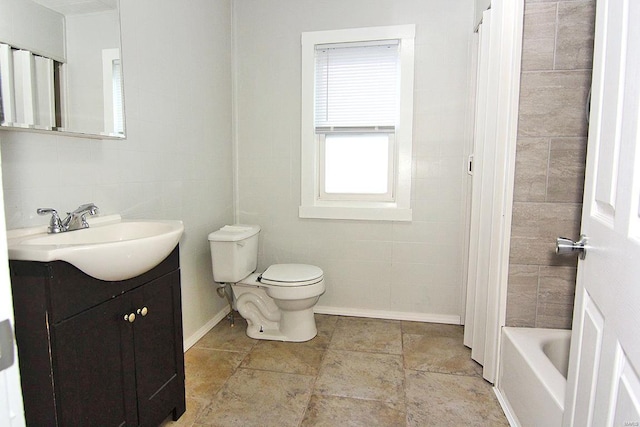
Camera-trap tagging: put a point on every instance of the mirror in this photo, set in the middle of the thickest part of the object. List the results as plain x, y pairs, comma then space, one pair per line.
60, 67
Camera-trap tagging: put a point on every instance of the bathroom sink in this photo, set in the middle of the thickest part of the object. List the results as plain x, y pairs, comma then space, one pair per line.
110, 249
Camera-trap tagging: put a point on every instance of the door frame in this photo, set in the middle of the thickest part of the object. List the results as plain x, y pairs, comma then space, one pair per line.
10, 389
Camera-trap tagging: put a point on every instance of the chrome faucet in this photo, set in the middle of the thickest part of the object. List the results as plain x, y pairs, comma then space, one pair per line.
75, 220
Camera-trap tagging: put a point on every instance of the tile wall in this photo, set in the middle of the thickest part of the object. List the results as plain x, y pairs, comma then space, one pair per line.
550, 157
176, 160
375, 268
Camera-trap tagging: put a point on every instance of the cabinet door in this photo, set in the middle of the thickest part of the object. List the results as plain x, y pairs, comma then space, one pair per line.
158, 350
93, 363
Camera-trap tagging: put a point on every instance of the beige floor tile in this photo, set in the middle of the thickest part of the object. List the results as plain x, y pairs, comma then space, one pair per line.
325, 324
332, 411
194, 408
358, 370
207, 370
259, 398
225, 337
294, 358
371, 335
360, 375
435, 399
433, 329
438, 354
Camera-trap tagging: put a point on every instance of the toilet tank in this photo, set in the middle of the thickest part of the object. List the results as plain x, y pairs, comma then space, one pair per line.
234, 252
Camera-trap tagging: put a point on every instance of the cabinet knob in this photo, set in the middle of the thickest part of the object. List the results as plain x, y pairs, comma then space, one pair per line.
143, 311
130, 317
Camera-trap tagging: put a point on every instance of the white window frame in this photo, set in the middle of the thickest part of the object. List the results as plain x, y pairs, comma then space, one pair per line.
312, 204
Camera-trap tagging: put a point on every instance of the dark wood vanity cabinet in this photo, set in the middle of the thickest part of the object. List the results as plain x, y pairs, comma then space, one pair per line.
99, 353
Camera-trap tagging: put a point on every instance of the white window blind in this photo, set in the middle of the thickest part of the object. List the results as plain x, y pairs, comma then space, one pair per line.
356, 85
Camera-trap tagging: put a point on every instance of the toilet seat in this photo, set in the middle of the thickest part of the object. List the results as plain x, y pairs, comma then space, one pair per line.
291, 275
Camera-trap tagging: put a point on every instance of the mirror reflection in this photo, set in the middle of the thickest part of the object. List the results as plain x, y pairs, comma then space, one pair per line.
60, 66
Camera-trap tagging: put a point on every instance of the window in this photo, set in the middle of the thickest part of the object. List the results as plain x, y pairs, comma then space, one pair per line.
357, 110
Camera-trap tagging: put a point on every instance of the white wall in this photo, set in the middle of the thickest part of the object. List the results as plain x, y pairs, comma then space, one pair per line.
481, 6
27, 25
176, 162
410, 270
87, 36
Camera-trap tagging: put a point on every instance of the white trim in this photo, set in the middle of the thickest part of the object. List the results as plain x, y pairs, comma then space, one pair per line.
11, 403
190, 341
450, 319
311, 206
513, 23
235, 151
468, 188
197, 335
506, 408
356, 213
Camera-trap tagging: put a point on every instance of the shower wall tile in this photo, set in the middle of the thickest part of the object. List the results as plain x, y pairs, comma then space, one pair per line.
567, 157
554, 316
550, 160
553, 103
539, 37
532, 158
522, 296
556, 285
574, 46
556, 291
545, 220
536, 251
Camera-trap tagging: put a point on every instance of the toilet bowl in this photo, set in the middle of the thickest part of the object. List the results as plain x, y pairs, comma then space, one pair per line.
278, 303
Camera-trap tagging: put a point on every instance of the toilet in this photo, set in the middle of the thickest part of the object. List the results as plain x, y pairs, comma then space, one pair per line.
278, 303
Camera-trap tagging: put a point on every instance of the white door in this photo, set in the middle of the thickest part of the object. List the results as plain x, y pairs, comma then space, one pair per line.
603, 387
11, 412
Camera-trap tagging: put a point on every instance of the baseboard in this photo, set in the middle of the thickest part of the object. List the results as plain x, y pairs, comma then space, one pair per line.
195, 337
506, 408
338, 311
392, 315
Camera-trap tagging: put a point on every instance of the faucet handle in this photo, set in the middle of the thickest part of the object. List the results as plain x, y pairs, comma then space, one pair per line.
55, 224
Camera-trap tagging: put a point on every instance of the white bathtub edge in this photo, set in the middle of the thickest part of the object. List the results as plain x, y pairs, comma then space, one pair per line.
554, 383
529, 383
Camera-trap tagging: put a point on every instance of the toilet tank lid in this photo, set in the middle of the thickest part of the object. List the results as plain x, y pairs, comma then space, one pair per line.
234, 233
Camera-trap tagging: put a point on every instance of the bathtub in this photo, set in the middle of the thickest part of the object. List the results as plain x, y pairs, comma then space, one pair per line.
533, 375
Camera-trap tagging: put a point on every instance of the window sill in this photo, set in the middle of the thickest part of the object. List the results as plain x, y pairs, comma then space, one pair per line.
357, 213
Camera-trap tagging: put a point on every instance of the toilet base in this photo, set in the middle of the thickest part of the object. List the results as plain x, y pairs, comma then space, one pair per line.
266, 321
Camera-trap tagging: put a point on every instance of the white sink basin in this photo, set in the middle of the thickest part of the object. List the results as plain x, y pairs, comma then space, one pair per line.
110, 249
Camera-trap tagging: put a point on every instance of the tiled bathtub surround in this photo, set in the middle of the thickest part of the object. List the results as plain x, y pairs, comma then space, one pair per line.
550, 158
357, 371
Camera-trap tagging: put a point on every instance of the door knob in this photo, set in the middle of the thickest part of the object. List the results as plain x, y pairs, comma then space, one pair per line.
130, 317
566, 246
143, 311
